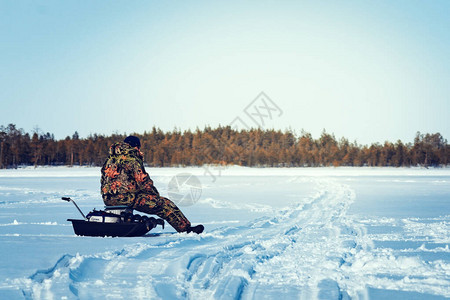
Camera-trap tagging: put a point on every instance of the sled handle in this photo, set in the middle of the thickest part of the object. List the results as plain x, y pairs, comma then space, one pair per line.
68, 199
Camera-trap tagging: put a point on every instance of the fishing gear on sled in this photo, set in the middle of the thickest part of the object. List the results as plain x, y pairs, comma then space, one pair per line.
113, 221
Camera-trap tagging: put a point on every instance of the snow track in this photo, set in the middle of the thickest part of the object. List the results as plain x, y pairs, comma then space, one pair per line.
303, 244
297, 253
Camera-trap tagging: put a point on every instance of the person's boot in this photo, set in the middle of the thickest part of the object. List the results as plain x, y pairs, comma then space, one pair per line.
197, 229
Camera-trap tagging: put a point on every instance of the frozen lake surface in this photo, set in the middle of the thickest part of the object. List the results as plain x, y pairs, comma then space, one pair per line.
300, 233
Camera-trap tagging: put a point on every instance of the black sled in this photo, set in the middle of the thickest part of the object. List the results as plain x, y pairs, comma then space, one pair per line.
115, 221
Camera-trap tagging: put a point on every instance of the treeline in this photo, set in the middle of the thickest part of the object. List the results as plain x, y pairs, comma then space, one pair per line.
222, 145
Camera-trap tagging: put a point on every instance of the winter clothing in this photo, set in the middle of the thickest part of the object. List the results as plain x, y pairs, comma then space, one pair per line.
133, 141
125, 182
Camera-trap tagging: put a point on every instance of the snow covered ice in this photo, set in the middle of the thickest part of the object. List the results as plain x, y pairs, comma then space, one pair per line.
300, 233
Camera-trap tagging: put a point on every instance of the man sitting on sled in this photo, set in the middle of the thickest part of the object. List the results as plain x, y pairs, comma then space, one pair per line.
125, 182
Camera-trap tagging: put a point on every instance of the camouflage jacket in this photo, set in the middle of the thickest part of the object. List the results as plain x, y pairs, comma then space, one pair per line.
124, 176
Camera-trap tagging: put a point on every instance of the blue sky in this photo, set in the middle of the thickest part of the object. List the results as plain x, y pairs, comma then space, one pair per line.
368, 71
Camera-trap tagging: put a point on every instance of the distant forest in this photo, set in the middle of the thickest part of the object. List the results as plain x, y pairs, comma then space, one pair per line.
222, 145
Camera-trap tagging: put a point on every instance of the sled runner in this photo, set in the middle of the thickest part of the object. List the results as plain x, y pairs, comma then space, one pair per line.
113, 221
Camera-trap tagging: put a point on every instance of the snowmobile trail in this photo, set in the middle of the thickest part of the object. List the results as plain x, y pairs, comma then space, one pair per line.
296, 253
311, 250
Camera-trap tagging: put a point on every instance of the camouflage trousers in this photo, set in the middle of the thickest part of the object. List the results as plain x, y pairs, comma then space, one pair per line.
157, 205
163, 208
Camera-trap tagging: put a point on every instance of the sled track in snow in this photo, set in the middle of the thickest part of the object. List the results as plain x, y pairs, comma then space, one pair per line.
290, 254
310, 251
